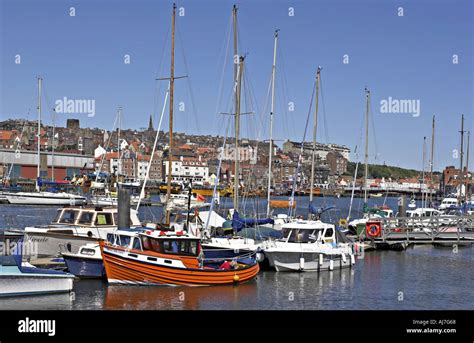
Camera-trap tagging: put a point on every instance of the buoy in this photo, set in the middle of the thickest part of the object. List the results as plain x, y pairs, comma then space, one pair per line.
353, 259
320, 259
301, 263
236, 278
260, 257
331, 265
344, 258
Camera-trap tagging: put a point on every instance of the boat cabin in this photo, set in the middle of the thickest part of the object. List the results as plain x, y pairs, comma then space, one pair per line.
447, 203
308, 232
94, 217
161, 242
423, 213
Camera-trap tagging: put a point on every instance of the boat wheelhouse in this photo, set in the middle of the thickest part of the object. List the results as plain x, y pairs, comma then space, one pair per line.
74, 227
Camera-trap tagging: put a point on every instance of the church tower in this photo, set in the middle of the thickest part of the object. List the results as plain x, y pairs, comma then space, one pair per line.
150, 124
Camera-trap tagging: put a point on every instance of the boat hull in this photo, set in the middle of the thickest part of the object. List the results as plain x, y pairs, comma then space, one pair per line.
50, 244
32, 284
121, 268
211, 252
84, 267
291, 261
52, 200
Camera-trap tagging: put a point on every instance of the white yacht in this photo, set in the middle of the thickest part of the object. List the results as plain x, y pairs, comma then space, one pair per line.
45, 198
308, 246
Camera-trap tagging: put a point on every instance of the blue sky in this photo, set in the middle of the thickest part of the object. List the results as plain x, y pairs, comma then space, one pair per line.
408, 57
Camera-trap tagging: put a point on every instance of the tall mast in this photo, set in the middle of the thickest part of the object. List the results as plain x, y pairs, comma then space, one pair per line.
366, 173
467, 156
38, 172
423, 172
270, 149
432, 159
119, 158
52, 147
237, 116
468, 148
170, 150
461, 182
315, 129
236, 61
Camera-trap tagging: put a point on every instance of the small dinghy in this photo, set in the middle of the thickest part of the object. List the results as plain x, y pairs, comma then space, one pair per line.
18, 278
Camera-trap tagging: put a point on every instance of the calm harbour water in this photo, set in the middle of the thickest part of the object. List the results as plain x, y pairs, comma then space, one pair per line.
422, 277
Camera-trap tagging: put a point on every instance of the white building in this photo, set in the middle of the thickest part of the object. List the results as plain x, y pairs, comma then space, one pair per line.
245, 153
187, 169
99, 151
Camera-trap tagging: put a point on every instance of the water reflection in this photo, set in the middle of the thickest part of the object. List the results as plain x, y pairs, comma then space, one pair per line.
62, 301
177, 298
306, 290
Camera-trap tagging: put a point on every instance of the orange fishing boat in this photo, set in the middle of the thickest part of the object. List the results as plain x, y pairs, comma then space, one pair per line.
169, 258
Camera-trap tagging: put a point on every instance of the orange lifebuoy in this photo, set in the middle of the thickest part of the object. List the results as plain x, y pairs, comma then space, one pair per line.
373, 229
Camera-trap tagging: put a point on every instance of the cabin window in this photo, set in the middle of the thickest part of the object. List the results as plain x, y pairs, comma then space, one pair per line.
146, 243
137, 244
171, 246
86, 217
329, 233
104, 219
58, 215
155, 245
111, 238
68, 217
88, 251
299, 236
124, 241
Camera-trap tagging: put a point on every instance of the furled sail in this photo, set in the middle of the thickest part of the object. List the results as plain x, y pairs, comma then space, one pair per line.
239, 223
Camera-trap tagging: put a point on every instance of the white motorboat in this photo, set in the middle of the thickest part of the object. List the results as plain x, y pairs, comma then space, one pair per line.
375, 213
308, 246
72, 228
428, 218
447, 203
18, 278
45, 198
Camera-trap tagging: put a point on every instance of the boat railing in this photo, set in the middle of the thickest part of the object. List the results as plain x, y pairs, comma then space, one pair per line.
433, 228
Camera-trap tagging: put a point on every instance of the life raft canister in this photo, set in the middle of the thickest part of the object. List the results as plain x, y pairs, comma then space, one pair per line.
373, 229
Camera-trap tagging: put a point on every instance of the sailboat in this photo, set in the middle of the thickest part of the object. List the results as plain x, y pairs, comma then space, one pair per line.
235, 245
309, 245
355, 226
41, 197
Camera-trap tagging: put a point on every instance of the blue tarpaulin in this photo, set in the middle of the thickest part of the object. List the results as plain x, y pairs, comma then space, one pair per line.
239, 223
